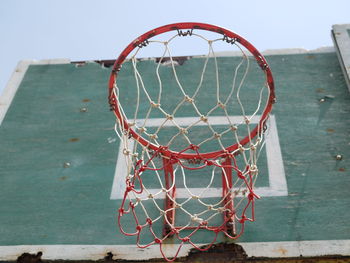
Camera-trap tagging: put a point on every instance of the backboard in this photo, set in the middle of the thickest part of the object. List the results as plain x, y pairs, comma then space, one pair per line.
62, 169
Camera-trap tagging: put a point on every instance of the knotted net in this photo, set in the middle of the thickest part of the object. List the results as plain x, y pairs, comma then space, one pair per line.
191, 138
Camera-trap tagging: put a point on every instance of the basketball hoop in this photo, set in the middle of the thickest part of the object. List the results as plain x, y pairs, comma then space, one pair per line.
163, 141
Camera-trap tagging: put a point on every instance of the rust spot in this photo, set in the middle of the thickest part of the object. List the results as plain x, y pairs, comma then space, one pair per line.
74, 139
330, 130
197, 27
282, 251
310, 56
151, 35
86, 100
319, 90
342, 169
108, 257
63, 178
220, 31
221, 252
29, 258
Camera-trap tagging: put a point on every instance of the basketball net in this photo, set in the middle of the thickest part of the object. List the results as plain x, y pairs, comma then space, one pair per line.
191, 147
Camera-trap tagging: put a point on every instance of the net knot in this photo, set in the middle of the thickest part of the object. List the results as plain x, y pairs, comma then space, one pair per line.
132, 205
232, 213
221, 209
163, 148
246, 120
217, 229
155, 105
194, 147
228, 154
183, 131
185, 239
169, 117
138, 228
255, 195
233, 128
196, 219
217, 135
157, 240
243, 219
129, 188
142, 169
204, 118
209, 162
253, 169
240, 175
126, 151
204, 223
153, 136
149, 221
251, 196
142, 129
188, 99
221, 105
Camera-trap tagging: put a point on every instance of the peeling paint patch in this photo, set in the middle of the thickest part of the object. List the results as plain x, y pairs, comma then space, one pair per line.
111, 140
177, 61
30, 258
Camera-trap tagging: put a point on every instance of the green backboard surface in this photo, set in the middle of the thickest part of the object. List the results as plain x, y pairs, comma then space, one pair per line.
61, 172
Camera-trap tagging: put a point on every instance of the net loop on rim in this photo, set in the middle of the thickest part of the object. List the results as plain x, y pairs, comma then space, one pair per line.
164, 146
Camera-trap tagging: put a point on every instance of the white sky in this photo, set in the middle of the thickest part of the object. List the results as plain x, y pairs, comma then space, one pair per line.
100, 29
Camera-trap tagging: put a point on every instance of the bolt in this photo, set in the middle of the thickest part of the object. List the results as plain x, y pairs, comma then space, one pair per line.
339, 157
83, 110
325, 98
66, 165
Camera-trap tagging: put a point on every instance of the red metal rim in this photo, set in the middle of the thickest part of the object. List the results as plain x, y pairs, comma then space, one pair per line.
113, 100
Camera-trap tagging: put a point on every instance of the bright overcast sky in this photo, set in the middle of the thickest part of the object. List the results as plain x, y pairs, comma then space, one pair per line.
87, 30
